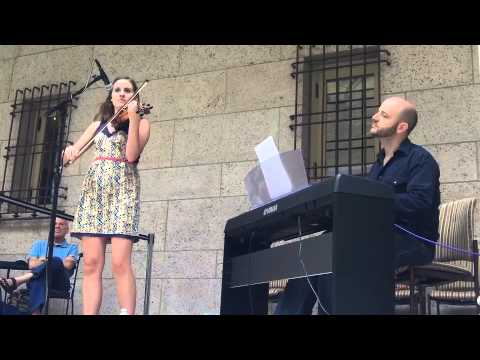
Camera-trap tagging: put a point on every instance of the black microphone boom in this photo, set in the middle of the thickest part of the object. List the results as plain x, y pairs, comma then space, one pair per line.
103, 76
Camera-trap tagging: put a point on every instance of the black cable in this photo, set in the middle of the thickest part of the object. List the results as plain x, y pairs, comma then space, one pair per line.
304, 267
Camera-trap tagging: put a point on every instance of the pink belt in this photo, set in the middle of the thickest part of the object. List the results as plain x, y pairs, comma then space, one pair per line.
113, 159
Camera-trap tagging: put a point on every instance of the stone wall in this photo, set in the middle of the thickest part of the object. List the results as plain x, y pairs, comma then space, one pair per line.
212, 105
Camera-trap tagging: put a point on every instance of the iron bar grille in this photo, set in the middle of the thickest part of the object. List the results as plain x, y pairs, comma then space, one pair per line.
337, 91
30, 152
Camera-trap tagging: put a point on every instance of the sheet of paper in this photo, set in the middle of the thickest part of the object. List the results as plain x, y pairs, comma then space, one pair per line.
266, 149
276, 177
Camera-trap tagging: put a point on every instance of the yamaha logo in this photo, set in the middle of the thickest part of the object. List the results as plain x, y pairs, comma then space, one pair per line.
270, 209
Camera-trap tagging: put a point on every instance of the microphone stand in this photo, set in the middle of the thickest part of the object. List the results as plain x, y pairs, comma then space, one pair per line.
95, 78
57, 167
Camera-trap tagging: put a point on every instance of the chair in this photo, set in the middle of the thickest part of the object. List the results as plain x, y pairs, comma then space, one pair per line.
402, 295
459, 232
12, 265
68, 295
450, 269
275, 289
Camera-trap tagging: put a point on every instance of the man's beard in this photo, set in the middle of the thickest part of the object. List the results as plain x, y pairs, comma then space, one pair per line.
386, 132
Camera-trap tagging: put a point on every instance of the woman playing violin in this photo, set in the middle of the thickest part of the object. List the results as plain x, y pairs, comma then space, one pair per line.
109, 205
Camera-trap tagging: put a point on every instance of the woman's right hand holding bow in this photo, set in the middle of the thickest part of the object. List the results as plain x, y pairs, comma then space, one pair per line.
70, 154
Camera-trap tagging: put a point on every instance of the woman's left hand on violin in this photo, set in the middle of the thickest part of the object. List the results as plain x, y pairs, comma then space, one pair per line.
133, 108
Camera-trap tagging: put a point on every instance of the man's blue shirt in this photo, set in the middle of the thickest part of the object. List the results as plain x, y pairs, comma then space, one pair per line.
414, 175
62, 250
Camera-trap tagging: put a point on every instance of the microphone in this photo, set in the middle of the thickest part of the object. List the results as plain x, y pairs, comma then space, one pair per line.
103, 76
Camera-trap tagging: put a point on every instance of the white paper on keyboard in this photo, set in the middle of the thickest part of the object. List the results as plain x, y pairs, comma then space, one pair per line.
266, 149
276, 177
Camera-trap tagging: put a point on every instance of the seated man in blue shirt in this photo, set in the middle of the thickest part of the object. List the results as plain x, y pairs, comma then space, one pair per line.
63, 263
414, 176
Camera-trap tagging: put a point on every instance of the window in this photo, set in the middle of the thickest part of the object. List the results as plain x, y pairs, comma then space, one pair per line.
30, 152
338, 91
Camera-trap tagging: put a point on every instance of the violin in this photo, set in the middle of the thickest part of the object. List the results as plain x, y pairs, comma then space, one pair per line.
123, 115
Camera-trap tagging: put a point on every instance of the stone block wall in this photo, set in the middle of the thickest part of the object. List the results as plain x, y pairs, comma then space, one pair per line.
212, 105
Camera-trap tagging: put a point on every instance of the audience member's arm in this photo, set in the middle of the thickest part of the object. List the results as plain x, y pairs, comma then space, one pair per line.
35, 256
35, 261
69, 262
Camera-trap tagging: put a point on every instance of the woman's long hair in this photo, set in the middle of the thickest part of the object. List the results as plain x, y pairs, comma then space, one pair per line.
106, 110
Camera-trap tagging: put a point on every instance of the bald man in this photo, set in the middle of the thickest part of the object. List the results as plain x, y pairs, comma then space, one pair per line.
414, 176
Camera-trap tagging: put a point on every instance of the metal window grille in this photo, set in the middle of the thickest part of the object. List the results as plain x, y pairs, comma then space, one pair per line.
30, 152
337, 92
